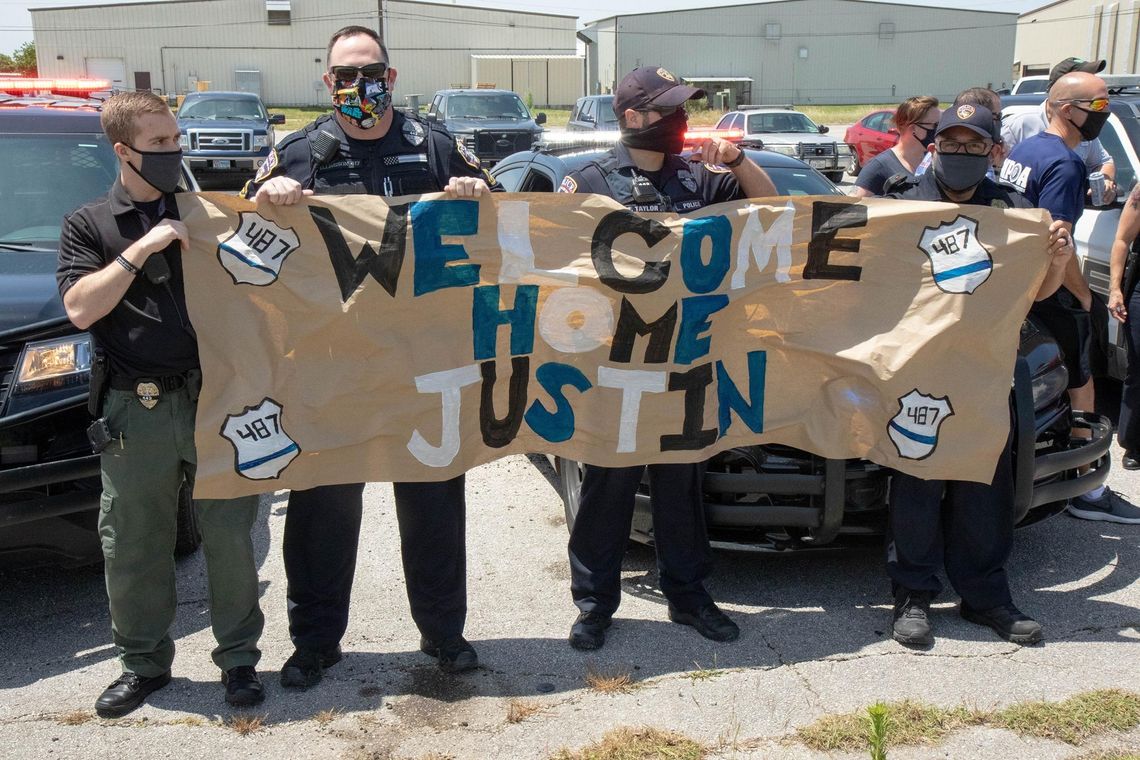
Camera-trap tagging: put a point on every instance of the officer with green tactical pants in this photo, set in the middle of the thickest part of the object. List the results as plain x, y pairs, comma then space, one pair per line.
120, 276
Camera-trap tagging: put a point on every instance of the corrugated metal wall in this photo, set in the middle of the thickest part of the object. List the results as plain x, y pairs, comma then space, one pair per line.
551, 82
430, 45
1084, 28
824, 51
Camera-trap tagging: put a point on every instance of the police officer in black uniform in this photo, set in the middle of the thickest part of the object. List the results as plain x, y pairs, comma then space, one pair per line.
645, 173
367, 146
968, 526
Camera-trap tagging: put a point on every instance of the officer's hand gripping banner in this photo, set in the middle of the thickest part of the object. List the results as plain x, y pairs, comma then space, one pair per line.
356, 338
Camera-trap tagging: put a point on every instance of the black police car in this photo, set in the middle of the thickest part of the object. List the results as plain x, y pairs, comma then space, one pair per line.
775, 497
54, 158
491, 123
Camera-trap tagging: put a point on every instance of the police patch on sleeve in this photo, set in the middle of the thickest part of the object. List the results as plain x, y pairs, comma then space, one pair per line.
255, 252
717, 169
914, 430
414, 132
471, 159
958, 261
569, 185
267, 167
262, 448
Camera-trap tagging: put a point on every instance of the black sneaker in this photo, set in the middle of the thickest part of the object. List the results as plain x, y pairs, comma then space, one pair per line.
243, 687
589, 630
1131, 460
1110, 507
911, 619
454, 654
306, 667
1007, 621
708, 621
126, 693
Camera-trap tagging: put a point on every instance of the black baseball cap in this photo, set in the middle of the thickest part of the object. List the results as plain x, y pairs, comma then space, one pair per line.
1070, 65
651, 87
976, 118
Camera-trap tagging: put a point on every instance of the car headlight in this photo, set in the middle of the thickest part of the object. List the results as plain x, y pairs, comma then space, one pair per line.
261, 141
787, 150
1049, 386
842, 149
184, 142
54, 364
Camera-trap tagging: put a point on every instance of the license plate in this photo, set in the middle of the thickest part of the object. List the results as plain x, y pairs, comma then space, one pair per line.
824, 162
223, 164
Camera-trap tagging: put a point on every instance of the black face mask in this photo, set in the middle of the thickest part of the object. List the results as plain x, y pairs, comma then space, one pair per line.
664, 136
1094, 123
959, 171
161, 169
927, 139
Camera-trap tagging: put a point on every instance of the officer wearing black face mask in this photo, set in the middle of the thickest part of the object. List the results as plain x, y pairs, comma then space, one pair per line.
644, 172
367, 146
968, 527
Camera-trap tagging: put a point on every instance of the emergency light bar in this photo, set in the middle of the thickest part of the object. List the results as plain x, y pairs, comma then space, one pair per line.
704, 133
36, 84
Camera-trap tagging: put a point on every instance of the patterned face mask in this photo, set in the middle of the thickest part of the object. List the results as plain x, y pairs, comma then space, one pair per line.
363, 101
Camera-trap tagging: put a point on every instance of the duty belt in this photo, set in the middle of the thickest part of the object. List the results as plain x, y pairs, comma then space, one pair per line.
167, 383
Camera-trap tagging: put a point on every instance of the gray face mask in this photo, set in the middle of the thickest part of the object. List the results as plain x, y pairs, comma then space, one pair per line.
959, 171
162, 170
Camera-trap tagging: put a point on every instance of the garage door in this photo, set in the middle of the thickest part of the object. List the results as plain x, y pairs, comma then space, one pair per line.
111, 69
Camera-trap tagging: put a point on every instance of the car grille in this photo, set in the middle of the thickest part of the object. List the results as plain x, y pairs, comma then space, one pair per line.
816, 150
8, 359
237, 140
501, 143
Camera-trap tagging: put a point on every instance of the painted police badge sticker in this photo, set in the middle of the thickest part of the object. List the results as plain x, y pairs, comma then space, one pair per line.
262, 448
914, 430
414, 132
959, 262
255, 252
569, 185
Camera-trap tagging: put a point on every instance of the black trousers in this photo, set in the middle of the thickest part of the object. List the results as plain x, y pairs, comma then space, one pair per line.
968, 526
1128, 432
601, 532
322, 531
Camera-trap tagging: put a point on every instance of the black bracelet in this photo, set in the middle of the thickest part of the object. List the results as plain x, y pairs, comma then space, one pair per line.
127, 265
736, 161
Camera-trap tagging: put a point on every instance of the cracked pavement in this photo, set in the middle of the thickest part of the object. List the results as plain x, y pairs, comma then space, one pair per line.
815, 641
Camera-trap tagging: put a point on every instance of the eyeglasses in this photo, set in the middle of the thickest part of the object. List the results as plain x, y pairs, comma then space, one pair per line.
1095, 104
974, 147
352, 73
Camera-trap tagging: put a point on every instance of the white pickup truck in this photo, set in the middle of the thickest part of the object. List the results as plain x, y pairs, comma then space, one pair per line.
1096, 229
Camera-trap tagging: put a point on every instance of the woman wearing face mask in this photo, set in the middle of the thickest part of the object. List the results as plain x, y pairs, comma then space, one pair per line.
915, 120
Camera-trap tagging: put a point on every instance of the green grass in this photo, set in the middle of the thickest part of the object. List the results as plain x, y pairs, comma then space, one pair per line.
1075, 719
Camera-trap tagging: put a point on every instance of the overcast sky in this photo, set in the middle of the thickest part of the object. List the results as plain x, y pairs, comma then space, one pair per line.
16, 22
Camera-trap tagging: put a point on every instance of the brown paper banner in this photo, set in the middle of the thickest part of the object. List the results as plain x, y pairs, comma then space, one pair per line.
355, 338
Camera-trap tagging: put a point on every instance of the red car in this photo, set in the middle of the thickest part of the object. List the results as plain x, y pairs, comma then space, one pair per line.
870, 136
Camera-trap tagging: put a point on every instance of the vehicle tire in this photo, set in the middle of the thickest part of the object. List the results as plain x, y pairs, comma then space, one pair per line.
189, 535
835, 177
856, 166
569, 487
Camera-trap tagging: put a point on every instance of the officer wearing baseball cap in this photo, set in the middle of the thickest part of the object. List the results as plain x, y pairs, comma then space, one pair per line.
965, 526
644, 172
1075, 64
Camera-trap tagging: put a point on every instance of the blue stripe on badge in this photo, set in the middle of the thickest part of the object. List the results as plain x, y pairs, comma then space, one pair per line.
950, 274
241, 257
268, 458
928, 439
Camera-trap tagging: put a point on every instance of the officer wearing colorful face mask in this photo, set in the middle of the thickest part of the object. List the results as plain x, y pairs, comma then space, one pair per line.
367, 146
966, 527
644, 173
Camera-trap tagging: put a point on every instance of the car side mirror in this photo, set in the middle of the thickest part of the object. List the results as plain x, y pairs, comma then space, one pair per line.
823, 129
540, 119
432, 116
276, 118
587, 118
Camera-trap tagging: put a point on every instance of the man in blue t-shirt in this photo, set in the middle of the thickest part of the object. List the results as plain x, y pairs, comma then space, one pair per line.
1053, 177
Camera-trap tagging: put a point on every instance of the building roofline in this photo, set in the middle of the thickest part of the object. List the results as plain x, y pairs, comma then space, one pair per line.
1042, 7
777, 2
99, 6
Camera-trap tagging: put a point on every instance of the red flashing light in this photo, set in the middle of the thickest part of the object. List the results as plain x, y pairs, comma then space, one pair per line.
37, 84
704, 133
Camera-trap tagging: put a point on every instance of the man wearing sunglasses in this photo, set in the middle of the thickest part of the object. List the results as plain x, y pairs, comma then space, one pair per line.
965, 527
367, 146
1047, 170
1017, 127
644, 172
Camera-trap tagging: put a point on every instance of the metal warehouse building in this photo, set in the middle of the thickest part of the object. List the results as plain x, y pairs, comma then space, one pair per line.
1083, 28
809, 51
277, 47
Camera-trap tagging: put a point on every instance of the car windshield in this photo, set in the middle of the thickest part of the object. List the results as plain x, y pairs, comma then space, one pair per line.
784, 121
489, 106
1032, 86
800, 181
604, 114
57, 174
244, 109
